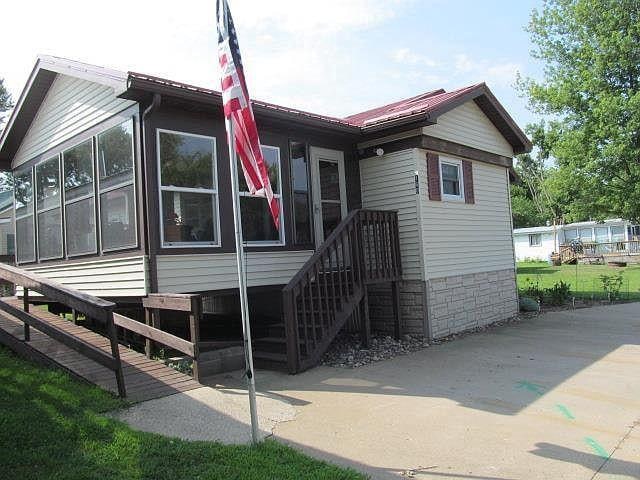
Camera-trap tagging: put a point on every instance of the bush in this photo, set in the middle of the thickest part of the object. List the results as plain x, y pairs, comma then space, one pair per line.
533, 290
611, 284
559, 293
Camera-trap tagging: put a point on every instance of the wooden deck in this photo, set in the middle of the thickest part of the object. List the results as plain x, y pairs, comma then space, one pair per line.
144, 379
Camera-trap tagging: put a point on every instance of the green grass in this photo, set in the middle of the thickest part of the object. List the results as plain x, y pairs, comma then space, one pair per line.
588, 284
51, 427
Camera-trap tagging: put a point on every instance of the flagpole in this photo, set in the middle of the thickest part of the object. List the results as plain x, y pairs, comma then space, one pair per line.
244, 302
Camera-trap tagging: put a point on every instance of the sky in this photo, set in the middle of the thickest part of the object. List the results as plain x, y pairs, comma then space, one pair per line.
330, 57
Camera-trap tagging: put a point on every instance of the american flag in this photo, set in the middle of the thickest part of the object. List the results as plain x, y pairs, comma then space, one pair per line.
238, 112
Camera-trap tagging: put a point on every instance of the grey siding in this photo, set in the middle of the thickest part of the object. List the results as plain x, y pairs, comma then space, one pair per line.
71, 106
387, 183
468, 125
218, 271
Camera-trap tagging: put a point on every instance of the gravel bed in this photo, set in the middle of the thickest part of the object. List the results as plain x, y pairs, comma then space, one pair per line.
347, 351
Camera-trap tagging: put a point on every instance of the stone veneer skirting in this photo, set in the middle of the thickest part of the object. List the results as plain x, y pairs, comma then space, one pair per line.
461, 302
446, 305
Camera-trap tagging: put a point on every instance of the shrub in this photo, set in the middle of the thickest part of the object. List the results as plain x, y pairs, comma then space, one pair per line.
533, 290
611, 284
559, 293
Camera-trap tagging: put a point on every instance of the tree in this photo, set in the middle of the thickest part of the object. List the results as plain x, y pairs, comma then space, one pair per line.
591, 90
6, 103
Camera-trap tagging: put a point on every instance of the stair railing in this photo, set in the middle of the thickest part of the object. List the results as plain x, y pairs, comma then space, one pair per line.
364, 248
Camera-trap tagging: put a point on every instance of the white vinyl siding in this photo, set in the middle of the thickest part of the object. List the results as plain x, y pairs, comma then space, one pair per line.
468, 125
461, 238
217, 271
524, 250
71, 106
388, 183
118, 277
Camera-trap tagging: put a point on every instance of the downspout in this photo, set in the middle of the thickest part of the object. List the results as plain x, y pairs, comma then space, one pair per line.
153, 271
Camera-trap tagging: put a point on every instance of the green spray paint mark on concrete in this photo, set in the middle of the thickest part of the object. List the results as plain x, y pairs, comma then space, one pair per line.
531, 387
565, 411
596, 447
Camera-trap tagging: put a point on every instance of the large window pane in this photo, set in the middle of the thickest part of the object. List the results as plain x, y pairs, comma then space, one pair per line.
331, 217
117, 218
188, 217
586, 234
80, 227
301, 196
186, 161
50, 234
48, 184
25, 245
23, 191
78, 171
617, 234
257, 223
271, 157
115, 155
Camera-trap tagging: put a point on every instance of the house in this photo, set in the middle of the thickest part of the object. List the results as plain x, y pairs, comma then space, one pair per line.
122, 189
611, 237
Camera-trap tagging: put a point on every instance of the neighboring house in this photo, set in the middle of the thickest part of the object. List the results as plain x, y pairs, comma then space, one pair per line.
610, 236
122, 189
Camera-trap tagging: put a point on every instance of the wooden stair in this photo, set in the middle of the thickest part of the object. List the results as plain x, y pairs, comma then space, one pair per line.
331, 289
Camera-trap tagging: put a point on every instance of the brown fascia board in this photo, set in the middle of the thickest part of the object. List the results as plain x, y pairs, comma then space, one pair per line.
139, 88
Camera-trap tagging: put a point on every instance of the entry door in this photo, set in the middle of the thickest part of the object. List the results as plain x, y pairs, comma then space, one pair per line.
329, 192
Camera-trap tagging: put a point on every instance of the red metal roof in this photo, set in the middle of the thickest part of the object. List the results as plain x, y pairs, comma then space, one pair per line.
424, 103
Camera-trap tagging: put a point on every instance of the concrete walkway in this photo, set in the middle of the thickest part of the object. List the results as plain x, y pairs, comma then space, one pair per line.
553, 397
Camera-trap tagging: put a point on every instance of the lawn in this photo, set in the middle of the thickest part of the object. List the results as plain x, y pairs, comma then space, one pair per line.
51, 427
588, 284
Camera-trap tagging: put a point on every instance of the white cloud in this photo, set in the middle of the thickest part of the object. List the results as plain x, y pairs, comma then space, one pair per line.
406, 56
501, 73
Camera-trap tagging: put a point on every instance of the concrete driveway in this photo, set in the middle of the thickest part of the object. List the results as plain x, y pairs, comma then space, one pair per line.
552, 397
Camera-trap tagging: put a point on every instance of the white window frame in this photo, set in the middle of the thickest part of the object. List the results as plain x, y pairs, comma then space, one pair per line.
278, 196
458, 164
100, 191
38, 211
213, 192
96, 218
535, 235
31, 214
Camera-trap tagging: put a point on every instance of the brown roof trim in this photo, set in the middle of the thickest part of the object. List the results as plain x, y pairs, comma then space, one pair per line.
139, 85
439, 145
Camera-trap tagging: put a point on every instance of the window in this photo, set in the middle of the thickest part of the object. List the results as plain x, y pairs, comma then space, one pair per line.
257, 223
586, 234
302, 219
79, 199
570, 235
535, 239
617, 233
188, 189
602, 234
116, 187
25, 229
49, 214
451, 179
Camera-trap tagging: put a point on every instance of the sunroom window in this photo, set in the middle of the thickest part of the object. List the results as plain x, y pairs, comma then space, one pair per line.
80, 218
48, 209
25, 230
116, 187
188, 189
451, 175
257, 223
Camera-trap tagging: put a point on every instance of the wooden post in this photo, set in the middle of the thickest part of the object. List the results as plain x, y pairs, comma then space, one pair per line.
74, 316
291, 330
25, 303
194, 326
365, 322
147, 341
395, 298
115, 352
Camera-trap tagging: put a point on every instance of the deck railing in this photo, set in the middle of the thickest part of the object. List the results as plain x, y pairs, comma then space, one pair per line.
363, 249
626, 247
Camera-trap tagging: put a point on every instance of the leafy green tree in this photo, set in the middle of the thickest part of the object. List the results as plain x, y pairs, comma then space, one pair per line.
6, 104
591, 89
